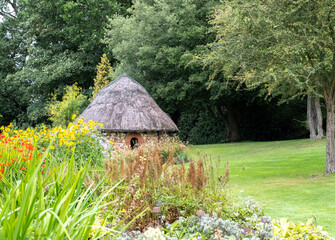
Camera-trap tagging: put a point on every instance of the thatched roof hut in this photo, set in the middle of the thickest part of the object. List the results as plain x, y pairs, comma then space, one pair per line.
125, 106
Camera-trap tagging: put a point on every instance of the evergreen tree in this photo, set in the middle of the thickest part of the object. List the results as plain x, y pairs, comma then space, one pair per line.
104, 75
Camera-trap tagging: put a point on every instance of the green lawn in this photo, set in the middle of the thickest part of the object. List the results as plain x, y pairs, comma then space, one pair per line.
280, 175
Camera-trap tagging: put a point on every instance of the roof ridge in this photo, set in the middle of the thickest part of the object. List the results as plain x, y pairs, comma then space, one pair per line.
124, 74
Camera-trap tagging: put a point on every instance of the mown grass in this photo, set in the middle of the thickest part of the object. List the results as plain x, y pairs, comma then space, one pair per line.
284, 175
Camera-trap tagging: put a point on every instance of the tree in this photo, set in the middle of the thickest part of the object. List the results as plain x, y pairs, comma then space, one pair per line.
62, 43
104, 70
287, 47
314, 116
13, 48
152, 46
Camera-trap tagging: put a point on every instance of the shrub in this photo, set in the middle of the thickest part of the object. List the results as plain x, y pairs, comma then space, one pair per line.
73, 102
205, 227
201, 128
288, 230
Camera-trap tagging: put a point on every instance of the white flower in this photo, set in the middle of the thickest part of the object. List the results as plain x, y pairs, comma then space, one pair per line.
154, 234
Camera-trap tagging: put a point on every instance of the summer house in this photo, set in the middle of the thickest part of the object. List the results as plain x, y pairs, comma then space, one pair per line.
130, 116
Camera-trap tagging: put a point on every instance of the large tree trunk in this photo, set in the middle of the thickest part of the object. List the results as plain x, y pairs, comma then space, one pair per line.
310, 117
231, 121
314, 117
233, 125
330, 134
319, 126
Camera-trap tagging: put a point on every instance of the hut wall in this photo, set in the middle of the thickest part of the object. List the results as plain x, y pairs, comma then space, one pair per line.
122, 139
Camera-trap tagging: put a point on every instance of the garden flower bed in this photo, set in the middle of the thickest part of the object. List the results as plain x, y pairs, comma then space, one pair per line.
57, 183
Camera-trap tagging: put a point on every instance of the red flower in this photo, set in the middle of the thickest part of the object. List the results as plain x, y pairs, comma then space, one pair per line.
1, 170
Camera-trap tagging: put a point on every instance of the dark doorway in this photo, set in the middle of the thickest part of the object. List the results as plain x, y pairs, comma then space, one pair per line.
133, 143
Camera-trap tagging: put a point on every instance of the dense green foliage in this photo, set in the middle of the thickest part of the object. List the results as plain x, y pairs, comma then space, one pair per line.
49, 45
161, 63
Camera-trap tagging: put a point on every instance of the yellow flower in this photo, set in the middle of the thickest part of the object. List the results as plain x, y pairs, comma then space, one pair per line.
74, 116
111, 142
80, 121
72, 149
52, 147
123, 211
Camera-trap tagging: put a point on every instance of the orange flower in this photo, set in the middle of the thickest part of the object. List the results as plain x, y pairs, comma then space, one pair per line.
23, 168
1, 170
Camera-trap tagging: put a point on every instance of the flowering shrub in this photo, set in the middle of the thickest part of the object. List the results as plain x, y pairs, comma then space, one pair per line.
80, 138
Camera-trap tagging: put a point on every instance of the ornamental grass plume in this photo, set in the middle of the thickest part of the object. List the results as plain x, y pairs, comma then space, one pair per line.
130, 170
191, 176
123, 169
144, 166
115, 171
200, 180
157, 161
96, 176
170, 160
89, 182
182, 176
224, 179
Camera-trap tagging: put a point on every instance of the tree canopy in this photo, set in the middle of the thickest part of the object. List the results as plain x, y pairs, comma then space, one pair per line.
286, 47
50, 45
57, 44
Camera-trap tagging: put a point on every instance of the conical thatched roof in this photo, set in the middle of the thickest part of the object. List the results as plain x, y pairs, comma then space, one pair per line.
125, 106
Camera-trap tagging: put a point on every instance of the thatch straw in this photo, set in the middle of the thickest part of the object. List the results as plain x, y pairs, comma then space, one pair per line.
125, 106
